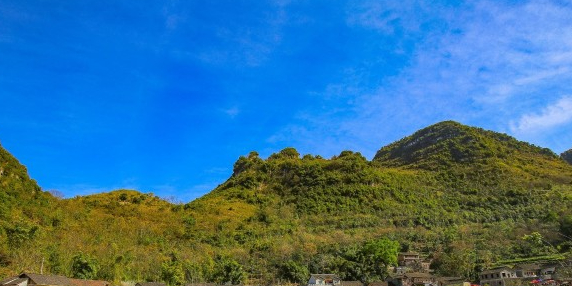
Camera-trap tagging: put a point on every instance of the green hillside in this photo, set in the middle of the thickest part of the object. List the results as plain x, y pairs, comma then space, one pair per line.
463, 195
476, 155
567, 156
24, 209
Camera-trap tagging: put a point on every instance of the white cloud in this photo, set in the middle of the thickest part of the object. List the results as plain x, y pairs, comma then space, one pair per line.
549, 117
485, 63
232, 112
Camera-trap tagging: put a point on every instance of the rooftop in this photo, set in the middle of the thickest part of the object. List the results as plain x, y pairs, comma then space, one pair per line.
40, 279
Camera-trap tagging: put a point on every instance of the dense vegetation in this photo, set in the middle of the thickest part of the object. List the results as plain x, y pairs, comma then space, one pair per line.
467, 197
567, 156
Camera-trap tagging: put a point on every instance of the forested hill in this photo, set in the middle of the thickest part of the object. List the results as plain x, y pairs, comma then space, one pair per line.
567, 156
473, 154
20, 196
462, 195
447, 143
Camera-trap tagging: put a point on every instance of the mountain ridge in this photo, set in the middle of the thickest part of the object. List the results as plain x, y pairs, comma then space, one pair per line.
461, 141
288, 215
567, 156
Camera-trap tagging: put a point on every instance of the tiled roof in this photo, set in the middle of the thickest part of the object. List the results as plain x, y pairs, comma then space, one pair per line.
418, 275
81, 282
52, 280
496, 269
326, 276
450, 278
352, 283
17, 282
8, 280
409, 253
528, 266
150, 284
201, 284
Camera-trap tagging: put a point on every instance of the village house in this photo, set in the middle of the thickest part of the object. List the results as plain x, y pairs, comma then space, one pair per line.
527, 270
411, 262
414, 279
499, 276
14, 281
84, 282
31, 279
407, 258
547, 272
525, 274
324, 280
378, 283
562, 271
453, 281
352, 283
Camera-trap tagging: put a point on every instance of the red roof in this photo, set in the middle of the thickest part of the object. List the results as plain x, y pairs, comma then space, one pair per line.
81, 282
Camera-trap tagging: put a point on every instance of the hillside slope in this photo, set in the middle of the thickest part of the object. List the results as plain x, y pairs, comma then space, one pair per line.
451, 191
476, 154
567, 156
24, 208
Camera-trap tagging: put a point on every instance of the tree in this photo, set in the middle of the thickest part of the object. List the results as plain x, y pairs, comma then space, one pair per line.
286, 153
20, 233
566, 225
228, 270
294, 272
376, 256
533, 245
172, 273
84, 266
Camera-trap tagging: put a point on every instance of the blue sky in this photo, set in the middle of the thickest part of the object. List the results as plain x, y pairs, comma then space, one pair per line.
164, 96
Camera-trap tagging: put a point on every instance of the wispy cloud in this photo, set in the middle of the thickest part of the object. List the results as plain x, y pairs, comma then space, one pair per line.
549, 117
231, 112
247, 45
484, 63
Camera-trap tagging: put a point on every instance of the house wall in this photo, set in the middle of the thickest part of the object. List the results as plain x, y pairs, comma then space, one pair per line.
321, 281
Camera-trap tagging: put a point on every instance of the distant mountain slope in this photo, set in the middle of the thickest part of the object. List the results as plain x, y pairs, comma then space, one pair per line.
458, 149
567, 156
451, 142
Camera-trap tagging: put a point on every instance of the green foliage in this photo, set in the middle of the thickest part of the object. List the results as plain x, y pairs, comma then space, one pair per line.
465, 195
286, 153
228, 271
567, 156
20, 233
294, 272
534, 245
376, 256
172, 271
454, 148
458, 262
381, 251
566, 225
54, 260
84, 266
